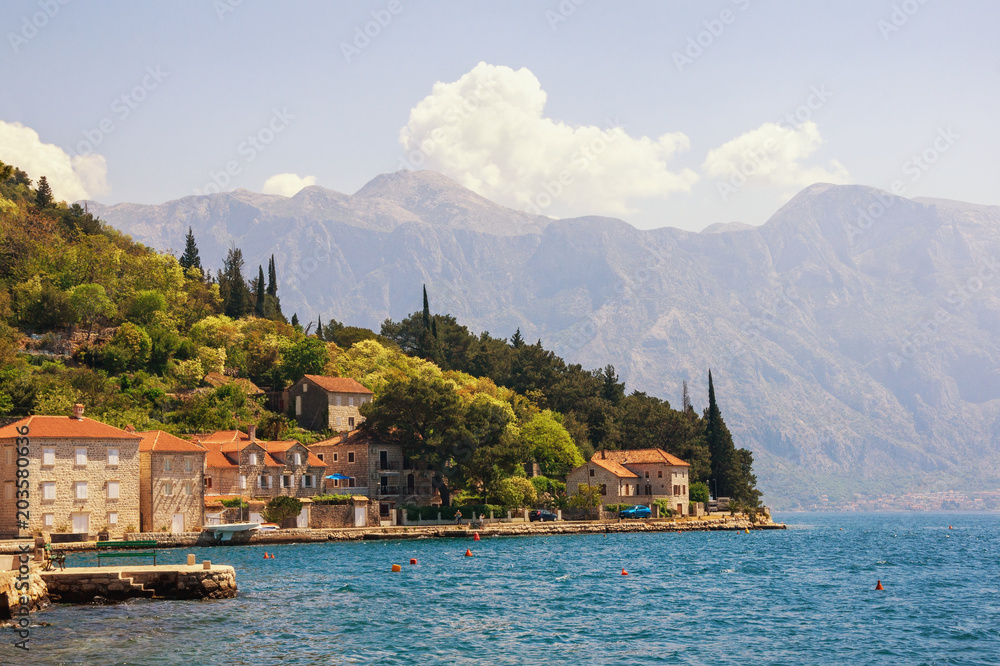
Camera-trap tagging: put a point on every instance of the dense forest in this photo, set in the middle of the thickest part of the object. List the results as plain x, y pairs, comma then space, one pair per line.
87, 315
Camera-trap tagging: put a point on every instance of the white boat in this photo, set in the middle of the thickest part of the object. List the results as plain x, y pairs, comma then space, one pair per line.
226, 532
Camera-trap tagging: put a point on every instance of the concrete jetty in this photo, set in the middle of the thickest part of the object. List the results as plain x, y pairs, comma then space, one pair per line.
88, 584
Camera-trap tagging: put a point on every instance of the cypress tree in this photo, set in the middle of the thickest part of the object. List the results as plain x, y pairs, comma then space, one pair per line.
258, 306
434, 327
272, 279
190, 258
685, 398
730, 468
233, 286
319, 328
43, 195
427, 311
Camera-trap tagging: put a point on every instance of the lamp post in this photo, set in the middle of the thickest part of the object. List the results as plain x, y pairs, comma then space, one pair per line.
715, 489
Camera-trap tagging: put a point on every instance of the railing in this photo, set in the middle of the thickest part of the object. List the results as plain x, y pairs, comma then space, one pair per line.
391, 466
425, 491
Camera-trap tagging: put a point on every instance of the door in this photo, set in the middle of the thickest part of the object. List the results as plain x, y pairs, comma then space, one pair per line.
81, 523
680, 509
409, 484
383, 460
361, 516
302, 520
177, 524
384, 485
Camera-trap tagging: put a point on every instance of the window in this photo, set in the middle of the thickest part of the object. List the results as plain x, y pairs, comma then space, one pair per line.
168, 489
168, 464
286, 480
659, 474
48, 457
112, 457
80, 490
208, 482
112, 518
350, 401
187, 489
340, 421
188, 465
9, 456
336, 483
48, 519
335, 456
647, 475
350, 456
684, 489
81, 457
243, 481
305, 388
253, 458
8, 490
263, 481
350, 482
320, 455
113, 489
308, 480
48, 490
338, 401
298, 405
350, 422
297, 457
592, 472
604, 489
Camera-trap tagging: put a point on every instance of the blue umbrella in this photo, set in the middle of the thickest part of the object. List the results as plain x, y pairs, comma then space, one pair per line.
338, 477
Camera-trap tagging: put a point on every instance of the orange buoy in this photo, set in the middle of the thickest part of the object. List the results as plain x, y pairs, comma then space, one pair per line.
266, 556
475, 536
949, 527
878, 586
396, 567
413, 560
624, 573
468, 552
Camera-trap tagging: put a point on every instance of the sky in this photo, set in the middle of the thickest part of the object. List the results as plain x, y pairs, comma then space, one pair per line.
678, 114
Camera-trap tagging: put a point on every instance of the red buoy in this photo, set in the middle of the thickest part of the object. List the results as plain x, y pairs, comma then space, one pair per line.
878, 586
624, 573
475, 536
468, 552
413, 560
266, 556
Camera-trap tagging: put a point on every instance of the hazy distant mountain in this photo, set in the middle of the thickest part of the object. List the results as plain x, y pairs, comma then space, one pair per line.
845, 351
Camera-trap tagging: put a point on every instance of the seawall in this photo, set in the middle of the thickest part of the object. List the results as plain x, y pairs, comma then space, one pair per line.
89, 584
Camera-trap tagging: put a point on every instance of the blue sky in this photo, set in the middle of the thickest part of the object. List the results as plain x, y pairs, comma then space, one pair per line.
674, 142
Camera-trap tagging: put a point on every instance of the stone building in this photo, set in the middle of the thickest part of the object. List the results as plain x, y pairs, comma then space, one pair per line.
237, 463
377, 470
638, 476
322, 403
83, 476
171, 483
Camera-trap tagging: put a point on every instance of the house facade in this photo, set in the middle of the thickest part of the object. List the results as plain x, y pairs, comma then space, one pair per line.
237, 463
82, 477
333, 403
375, 469
638, 476
171, 483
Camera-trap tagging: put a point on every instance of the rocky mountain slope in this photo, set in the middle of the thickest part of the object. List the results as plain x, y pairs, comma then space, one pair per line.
854, 338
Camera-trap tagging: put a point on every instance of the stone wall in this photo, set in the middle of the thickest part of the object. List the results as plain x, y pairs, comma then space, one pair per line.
187, 490
35, 596
337, 516
162, 582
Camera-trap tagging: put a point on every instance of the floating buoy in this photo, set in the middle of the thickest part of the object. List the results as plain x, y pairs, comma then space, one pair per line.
475, 536
878, 586
747, 530
413, 560
272, 556
266, 556
949, 527
468, 552
396, 567
624, 573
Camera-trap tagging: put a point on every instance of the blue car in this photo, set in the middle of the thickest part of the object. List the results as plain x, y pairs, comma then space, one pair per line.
637, 511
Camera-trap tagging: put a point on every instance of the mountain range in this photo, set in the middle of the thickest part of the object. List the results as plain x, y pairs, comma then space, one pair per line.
854, 338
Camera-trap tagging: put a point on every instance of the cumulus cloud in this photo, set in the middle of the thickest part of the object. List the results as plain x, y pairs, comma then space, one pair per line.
287, 184
71, 178
772, 154
488, 131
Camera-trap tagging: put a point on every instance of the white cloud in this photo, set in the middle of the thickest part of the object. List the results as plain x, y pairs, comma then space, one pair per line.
72, 179
488, 131
773, 154
287, 184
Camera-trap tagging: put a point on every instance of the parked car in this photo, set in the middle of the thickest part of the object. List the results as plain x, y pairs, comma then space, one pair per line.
637, 511
541, 514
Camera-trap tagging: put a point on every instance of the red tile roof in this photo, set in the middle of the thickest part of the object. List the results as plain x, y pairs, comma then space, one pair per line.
64, 427
226, 436
157, 440
643, 456
614, 468
337, 384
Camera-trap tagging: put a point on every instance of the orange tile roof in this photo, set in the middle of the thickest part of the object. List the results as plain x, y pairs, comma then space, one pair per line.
614, 468
216, 379
356, 437
337, 384
226, 436
64, 427
215, 457
644, 456
157, 440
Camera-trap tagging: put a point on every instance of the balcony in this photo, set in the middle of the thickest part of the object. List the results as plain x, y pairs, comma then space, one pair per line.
391, 466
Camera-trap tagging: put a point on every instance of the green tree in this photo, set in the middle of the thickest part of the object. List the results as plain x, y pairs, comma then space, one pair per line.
43, 195
426, 312
190, 258
236, 298
514, 493
305, 357
91, 304
144, 306
281, 508
549, 444
732, 468
259, 293
698, 492
129, 348
585, 497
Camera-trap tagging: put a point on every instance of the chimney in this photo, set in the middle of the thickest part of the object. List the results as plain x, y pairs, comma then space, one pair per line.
252, 432
604, 454
77, 411
130, 428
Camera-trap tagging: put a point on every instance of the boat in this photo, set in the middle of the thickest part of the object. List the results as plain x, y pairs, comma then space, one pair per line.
226, 532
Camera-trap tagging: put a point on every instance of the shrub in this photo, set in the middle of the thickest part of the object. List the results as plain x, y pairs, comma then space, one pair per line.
235, 503
514, 492
665, 510
614, 508
586, 497
698, 492
331, 499
281, 508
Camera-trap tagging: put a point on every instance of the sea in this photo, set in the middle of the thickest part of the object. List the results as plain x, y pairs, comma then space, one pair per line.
805, 595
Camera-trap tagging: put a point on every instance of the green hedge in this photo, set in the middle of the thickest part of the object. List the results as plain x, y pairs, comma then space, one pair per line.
616, 507
448, 512
331, 499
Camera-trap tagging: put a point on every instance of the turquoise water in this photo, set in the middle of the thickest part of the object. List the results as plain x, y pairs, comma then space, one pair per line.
804, 595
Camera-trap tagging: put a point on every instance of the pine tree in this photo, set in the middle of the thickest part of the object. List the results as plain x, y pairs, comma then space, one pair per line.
427, 311
190, 258
43, 195
319, 328
516, 341
258, 305
295, 321
233, 287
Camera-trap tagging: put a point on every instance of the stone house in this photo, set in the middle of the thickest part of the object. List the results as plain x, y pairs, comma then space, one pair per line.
237, 463
322, 403
377, 470
83, 476
638, 476
171, 483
